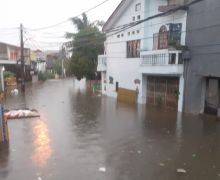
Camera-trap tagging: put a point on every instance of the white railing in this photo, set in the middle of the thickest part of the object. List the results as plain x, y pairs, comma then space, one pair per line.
161, 57
102, 63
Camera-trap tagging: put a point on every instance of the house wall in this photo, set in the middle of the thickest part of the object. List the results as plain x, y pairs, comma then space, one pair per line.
203, 39
153, 26
124, 70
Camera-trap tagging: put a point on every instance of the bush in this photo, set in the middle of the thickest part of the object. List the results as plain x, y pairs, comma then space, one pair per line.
8, 74
42, 76
45, 76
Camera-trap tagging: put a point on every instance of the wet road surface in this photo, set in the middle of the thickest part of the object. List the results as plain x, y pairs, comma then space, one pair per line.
79, 132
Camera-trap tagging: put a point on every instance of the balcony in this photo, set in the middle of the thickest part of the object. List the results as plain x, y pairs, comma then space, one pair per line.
168, 62
102, 63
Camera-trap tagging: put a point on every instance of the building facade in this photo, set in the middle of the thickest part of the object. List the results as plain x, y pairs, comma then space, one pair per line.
145, 57
38, 61
202, 90
10, 56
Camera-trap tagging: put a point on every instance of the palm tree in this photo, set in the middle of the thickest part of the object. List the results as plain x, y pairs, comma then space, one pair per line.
85, 46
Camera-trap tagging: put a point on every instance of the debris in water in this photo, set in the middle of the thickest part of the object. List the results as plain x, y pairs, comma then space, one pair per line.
102, 169
162, 164
194, 155
21, 113
139, 152
14, 92
180, 170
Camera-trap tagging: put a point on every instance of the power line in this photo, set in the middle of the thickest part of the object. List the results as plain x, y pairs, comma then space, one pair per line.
127, 26
183, 7
62, 22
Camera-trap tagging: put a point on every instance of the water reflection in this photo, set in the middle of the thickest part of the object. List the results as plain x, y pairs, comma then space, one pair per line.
4, 160
85, 108
43, 150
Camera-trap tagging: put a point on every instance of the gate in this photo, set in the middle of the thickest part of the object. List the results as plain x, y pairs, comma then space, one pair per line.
163, 91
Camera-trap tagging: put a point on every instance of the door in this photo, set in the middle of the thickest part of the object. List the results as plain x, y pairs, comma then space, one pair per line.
212, 96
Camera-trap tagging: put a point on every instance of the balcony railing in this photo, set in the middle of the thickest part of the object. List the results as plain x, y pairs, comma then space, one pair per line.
162, 61
161, 57
102, 63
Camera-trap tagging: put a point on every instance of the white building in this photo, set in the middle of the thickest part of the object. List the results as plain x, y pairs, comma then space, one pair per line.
144, 57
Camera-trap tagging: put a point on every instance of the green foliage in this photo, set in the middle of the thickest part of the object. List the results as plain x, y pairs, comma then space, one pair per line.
86, 45
177, 93
57, 67
45, 76
177, 46
8, 74
159, 101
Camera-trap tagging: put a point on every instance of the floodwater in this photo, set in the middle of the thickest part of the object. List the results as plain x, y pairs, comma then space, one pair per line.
79, 132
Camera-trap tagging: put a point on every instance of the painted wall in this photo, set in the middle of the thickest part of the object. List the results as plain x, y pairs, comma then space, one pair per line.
153, 26
123, 70
203, 39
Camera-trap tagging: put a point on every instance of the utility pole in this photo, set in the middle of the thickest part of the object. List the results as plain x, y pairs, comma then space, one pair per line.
22, 61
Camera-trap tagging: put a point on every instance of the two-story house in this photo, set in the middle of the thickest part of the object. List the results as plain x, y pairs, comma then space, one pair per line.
143, 51
10, 56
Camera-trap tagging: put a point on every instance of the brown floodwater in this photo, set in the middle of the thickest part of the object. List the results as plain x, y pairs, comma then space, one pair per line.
79, 132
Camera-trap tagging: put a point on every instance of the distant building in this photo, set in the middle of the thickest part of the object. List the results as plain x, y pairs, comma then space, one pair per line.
10, 58
52, 57
38, 61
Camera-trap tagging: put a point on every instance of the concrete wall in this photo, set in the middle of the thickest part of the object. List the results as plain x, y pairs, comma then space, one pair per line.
203, 28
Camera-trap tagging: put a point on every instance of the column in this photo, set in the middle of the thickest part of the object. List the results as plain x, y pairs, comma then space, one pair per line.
181, 93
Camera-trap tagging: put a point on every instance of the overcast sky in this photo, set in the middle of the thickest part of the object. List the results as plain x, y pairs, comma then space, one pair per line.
40, 13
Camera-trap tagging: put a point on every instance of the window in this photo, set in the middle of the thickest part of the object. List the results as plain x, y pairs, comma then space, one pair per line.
175, 33
133, 18
138, 17
163, 38
111, 80
129, 33
116, 86
138, 7
133, 49
133, 32
118, 36
13, 55
138, 31
122, 35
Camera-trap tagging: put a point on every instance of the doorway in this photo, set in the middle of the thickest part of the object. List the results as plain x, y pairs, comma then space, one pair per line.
212, 99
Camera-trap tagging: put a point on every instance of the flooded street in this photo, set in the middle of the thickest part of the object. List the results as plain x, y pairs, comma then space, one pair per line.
78, 133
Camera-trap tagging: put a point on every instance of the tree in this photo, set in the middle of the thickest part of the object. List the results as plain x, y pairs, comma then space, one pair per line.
85, 45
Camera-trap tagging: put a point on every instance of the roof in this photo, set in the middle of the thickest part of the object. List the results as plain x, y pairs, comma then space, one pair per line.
116, 12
